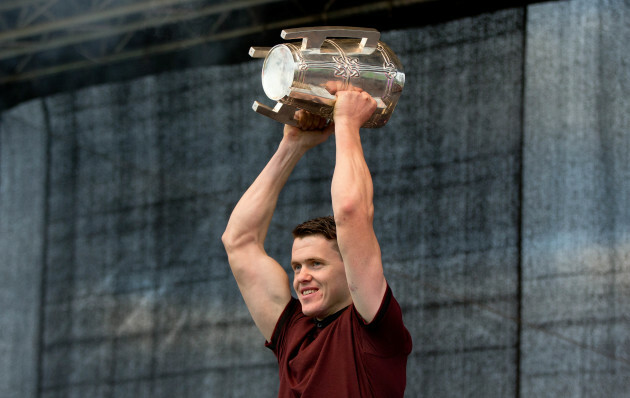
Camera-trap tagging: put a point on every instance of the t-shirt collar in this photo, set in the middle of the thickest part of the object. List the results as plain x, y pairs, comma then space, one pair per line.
328, 320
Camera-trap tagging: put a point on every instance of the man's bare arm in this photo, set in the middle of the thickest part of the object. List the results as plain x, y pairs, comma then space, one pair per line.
263, 283
352, 198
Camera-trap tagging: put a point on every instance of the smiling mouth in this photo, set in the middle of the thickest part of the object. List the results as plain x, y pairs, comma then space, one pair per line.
308, 292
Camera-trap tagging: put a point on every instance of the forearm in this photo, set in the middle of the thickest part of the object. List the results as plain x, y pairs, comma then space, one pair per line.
252, 215
352, 189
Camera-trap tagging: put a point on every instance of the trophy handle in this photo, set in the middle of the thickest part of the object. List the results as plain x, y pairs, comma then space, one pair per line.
282, 113
313, 37
259, 52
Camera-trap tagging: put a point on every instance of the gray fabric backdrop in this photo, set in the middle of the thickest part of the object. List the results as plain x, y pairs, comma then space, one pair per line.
502, 184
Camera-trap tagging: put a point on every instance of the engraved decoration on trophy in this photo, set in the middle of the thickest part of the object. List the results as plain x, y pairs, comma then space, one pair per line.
300, 75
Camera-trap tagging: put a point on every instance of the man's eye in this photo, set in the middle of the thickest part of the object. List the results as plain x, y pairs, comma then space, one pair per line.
296, 267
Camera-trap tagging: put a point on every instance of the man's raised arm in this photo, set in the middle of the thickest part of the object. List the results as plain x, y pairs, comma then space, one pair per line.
263, 283
353, 208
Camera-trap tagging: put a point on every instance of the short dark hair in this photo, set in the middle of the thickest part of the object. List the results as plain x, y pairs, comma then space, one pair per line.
324, 226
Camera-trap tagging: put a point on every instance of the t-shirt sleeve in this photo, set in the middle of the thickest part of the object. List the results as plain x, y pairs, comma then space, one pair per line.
281, 325
386, 335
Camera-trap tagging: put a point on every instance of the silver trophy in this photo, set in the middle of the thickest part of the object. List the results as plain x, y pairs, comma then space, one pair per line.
302, 75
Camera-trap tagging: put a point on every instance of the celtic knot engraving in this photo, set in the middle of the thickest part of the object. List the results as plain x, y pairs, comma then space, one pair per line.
346, 67
302, 65
390, 69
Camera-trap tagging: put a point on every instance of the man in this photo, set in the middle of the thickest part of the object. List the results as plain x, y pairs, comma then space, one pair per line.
343, 336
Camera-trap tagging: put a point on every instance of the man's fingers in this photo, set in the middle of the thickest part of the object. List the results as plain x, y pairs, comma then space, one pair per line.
309, 121
334, 87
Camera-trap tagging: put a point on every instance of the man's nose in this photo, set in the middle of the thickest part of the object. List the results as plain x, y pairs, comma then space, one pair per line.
303, 275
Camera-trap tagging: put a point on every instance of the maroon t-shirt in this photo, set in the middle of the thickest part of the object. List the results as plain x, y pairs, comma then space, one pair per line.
342, 356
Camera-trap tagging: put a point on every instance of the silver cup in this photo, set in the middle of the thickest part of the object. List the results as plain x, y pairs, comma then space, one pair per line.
329, 58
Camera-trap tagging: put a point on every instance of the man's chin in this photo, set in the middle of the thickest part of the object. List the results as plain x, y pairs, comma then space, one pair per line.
309, 312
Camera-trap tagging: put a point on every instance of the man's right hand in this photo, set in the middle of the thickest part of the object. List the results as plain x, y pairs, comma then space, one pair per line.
312, 129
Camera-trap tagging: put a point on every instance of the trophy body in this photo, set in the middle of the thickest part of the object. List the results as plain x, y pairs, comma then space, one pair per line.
305, 75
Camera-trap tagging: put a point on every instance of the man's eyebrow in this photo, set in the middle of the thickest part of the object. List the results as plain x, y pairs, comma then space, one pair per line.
308, 260
314, 259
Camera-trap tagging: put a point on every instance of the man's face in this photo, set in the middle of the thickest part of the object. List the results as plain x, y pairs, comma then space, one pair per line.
319, 277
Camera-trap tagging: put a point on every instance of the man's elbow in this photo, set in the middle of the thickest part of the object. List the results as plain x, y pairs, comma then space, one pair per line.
235, 250
351, 210
231, 240
227, 238
234, 241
